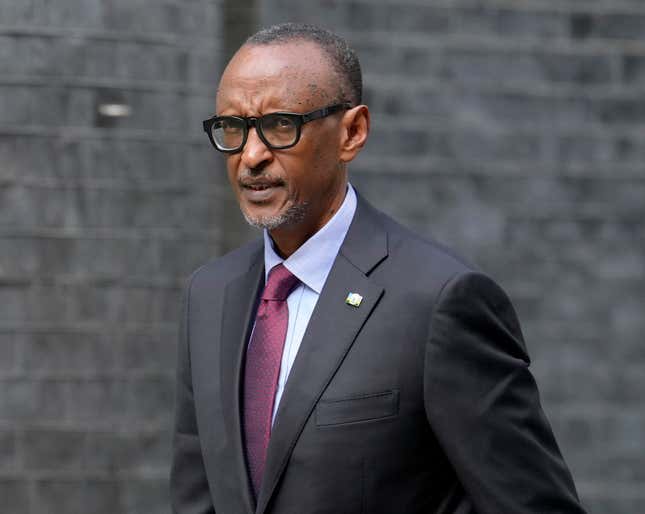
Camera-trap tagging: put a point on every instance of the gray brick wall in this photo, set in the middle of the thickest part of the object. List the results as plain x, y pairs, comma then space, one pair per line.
510, 130
513, 131
100, 223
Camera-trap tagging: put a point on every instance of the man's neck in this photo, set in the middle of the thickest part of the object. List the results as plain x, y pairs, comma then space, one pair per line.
287, 239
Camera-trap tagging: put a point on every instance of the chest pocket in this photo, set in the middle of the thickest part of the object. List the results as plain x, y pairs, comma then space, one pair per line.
357, 409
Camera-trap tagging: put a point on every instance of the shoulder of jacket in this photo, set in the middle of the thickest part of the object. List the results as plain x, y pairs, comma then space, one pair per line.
233, 263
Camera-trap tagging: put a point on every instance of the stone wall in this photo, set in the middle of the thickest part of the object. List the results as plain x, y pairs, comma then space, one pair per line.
101, 220
511, 130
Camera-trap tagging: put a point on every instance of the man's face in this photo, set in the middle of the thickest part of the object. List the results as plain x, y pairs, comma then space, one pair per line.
299, 187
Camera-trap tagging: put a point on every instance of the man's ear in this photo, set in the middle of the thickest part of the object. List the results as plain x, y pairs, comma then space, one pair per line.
355, 128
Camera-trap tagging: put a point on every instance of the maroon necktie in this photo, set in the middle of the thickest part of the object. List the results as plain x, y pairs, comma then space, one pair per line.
262, 368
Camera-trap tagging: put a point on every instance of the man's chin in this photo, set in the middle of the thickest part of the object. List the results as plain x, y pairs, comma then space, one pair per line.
292, 215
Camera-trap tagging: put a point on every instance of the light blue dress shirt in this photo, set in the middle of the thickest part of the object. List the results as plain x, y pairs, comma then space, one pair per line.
311, 263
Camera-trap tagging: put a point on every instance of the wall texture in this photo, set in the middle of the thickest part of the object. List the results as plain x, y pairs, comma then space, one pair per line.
100, 222
511, 130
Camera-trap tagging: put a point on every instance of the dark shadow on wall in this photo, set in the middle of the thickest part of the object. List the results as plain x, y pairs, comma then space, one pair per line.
240, 19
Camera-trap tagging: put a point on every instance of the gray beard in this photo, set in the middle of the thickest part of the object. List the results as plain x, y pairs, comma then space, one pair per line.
293, 215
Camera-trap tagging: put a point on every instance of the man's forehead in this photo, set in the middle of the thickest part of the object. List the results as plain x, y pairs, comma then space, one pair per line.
293, 55
301, 69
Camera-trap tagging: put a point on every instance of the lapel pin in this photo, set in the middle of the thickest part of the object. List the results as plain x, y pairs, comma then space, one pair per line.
353, 299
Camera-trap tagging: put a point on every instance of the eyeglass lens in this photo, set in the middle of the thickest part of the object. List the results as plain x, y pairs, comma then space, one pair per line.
228, 133
277, 129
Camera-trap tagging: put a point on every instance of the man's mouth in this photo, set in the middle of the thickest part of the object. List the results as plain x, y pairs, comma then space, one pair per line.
258, 187
260, 191
261, 184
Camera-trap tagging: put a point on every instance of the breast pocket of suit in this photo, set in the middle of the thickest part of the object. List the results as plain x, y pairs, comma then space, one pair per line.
364, 408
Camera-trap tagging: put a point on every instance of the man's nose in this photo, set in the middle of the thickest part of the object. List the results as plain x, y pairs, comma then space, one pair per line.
255, 153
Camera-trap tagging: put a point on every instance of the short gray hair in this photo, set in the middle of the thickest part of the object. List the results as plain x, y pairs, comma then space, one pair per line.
341, 56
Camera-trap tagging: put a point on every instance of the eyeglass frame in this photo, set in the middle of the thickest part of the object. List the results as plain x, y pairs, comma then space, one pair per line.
256, 121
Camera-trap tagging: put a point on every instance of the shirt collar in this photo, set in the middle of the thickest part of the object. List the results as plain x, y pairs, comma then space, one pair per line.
312, 262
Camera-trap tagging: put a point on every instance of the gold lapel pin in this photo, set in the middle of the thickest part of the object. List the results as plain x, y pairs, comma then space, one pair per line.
353, 299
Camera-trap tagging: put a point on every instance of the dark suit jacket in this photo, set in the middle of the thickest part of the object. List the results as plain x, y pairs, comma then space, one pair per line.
420, 400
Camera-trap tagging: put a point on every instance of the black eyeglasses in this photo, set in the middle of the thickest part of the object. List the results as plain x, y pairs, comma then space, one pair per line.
277, 130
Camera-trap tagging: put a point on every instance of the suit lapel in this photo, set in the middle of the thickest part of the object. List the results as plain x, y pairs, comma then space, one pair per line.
239, 301
332, 329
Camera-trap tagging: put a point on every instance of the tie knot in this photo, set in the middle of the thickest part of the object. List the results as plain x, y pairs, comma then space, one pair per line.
279, 284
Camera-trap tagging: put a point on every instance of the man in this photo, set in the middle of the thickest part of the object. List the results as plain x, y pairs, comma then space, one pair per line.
343, 364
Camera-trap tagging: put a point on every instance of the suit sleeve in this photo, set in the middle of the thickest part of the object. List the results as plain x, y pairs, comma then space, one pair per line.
482, 403
189, 491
